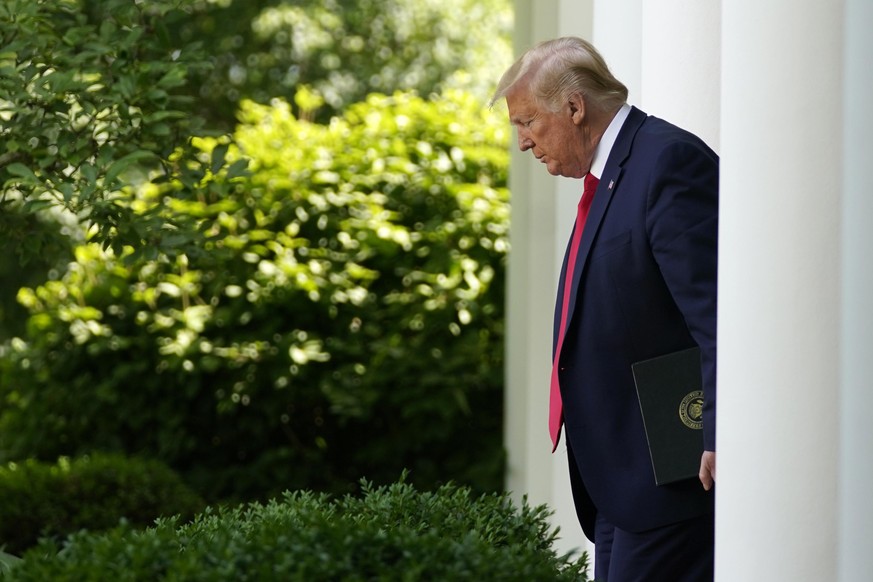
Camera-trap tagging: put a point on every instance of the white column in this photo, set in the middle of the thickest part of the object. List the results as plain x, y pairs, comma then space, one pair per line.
856, 451
543, 208
617, 35
779, 290
680, 72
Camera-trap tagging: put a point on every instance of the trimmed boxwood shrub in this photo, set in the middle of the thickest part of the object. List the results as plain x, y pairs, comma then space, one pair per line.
89, 493
388, 533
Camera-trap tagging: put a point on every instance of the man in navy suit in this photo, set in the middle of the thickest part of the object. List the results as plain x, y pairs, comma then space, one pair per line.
639, 281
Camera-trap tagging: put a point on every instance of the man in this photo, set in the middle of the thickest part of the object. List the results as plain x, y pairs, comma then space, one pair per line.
639, 281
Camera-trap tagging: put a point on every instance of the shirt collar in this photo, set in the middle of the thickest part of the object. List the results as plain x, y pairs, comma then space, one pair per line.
601, 152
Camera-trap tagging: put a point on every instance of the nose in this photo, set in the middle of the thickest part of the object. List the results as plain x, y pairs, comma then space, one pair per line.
524, 141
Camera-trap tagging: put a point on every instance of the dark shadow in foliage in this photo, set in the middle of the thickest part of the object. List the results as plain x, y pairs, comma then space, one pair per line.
94, 494
33, 249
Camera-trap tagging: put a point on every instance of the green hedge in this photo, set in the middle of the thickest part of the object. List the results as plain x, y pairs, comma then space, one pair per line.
40, 499
345, 318
389, 533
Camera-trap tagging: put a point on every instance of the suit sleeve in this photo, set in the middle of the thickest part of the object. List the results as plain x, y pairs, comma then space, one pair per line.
682, 226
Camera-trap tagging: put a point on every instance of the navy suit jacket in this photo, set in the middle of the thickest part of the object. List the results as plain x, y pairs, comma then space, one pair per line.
645, 284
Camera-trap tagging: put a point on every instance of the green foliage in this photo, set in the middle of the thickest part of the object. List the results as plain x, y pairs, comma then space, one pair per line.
33, 248
89, 493
90, 102
98, 96
7, 561
344, 318
346, 49
390, 533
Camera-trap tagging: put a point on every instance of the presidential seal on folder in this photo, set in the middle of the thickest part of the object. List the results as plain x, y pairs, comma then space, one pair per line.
670, 391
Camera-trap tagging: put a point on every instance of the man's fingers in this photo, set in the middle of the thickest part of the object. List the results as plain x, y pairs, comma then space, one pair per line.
706, 480
707, 470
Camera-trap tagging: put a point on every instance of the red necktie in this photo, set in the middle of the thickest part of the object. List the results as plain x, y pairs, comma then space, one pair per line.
556, 408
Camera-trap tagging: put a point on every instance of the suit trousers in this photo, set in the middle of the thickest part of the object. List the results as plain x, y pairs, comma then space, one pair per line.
683, 551
679, 552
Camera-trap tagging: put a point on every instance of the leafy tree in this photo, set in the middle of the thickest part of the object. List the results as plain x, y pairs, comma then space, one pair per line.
90, 103
97, 96
250, 329
344, 318
345, 49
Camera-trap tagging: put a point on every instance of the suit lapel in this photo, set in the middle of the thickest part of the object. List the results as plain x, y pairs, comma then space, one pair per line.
607, 188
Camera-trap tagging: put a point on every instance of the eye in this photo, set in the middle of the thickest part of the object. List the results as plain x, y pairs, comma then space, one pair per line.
523, 123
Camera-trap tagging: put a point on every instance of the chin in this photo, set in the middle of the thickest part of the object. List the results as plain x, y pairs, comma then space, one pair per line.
574, 175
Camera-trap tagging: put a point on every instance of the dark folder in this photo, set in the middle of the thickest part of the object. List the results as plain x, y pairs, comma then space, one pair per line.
671, 401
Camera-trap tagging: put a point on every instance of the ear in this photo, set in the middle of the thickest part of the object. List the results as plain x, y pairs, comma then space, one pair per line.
577, 107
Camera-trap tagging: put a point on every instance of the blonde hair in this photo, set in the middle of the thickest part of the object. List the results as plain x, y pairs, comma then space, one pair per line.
555, 69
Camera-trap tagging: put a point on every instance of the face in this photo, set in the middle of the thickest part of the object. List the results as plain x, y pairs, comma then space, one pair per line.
554, 138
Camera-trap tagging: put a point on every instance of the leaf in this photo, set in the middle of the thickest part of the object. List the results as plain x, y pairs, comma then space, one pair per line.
160, 129
237, 169
118, 166
163, 115
67, 190
218, 154
89, 172
7, 561
126, 86
33, 206
22, 171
